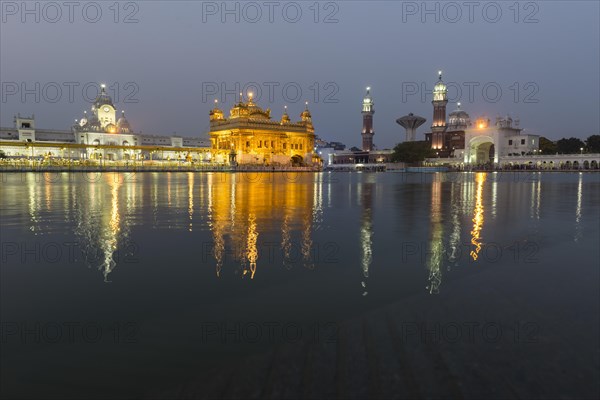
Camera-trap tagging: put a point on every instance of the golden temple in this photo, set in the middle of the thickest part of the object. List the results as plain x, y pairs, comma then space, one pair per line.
250, 136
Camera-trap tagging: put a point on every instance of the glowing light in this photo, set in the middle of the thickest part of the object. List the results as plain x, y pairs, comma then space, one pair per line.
251, 243
103, 86
368, 88
478, 216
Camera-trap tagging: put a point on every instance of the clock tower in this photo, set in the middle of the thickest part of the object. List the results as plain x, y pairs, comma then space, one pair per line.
438, 127
367, 131
104, 108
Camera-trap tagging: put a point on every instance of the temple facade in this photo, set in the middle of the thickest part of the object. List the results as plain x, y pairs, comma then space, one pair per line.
98, 135
457, 139
250, 136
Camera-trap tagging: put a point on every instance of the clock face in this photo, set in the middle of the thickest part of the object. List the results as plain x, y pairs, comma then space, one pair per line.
106, 109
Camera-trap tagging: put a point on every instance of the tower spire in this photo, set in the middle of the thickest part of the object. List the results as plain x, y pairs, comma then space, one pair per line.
438, 126
367, 111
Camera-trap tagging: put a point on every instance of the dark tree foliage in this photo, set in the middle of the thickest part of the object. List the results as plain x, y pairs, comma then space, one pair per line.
592, 144
547, 146
570, 146
413, 152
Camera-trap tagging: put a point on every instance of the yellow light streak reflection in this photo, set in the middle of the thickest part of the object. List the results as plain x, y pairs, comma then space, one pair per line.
252, 248
478, 219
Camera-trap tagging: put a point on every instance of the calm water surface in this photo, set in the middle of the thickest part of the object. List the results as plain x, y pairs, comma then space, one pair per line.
153, 264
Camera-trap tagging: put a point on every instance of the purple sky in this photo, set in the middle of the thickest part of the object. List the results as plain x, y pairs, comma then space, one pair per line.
177, 53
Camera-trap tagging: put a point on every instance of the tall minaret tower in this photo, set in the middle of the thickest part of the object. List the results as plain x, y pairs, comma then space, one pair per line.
367, 131
438, 127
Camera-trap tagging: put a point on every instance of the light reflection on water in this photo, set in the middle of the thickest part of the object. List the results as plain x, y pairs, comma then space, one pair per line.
170, 252
254, 223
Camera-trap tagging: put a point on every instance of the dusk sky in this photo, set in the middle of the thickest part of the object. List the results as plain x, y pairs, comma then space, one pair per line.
176, 54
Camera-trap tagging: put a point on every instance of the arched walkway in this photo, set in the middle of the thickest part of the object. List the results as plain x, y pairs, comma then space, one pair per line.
481, 150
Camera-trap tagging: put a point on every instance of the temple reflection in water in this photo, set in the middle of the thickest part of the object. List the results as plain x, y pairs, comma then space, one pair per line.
366, 229
247, 225
242, 206
435, 255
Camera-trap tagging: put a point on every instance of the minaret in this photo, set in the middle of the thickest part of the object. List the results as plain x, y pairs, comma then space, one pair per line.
438, 127
367, 131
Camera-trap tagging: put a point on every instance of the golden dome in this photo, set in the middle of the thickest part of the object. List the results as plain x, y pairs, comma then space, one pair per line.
248, 110
285, 118
216, 113
306, 114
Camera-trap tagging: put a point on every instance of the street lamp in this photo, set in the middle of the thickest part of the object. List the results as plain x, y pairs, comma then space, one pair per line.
581, 149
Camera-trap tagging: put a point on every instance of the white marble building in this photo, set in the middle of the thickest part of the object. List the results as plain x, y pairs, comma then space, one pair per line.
99, 135
485, 142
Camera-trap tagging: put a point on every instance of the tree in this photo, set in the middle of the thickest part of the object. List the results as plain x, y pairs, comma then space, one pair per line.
569, 146
413, 152
593, 144
547, 146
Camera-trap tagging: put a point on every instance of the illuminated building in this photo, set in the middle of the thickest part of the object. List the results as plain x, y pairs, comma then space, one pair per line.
438, 126
486, 143
367, 131
446, 136
368, 158
250, 136
100, 136
479, 143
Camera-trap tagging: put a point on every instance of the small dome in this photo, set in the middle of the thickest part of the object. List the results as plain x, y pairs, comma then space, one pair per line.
458, 119
84, 119
439, 90
111, 128
439, 86
123, 124
216, 113
93, 124
306, 114
285, 118
368, 99
103, 98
